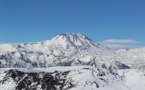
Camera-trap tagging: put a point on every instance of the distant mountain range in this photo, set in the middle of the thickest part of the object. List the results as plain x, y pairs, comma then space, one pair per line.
68, 50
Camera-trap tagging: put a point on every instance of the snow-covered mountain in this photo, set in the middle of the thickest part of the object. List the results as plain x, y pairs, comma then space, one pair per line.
134, 58
62, 50
68, 50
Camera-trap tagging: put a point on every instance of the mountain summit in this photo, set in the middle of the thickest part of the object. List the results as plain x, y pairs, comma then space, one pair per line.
75, 40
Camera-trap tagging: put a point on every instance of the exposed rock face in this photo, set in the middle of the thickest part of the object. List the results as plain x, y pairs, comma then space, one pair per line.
42, 80
121, 65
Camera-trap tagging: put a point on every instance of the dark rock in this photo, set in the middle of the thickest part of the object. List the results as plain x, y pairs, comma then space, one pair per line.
30, 80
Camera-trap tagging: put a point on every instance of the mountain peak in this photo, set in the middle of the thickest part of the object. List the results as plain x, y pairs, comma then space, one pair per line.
75, 39
73, 35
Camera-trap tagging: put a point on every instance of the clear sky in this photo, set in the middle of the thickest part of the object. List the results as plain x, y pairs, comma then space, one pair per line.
36, 20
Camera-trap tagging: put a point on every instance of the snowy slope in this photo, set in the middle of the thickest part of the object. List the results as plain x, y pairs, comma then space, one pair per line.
133, 78
62, 50
60, 78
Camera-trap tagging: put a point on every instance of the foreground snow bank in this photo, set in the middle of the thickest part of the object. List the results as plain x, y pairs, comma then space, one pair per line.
133, 78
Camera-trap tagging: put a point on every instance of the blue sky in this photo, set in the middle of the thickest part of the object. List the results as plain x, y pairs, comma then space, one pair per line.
100, 20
